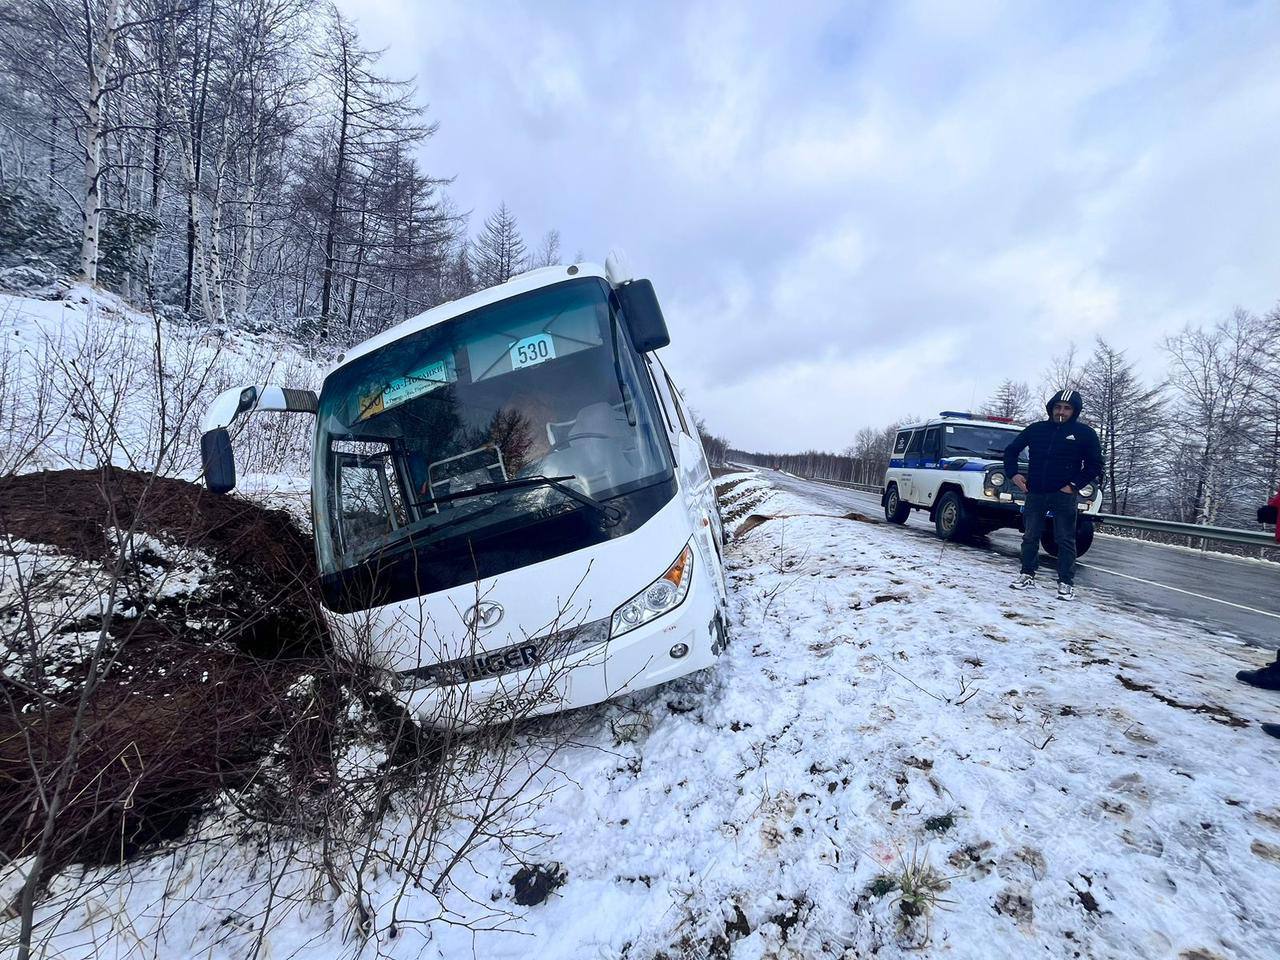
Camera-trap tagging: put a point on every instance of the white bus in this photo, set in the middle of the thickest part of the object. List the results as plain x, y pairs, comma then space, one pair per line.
511, 505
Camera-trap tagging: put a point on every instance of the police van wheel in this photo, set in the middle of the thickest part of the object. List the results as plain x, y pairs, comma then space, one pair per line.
1084, 539
949, 518
895, 511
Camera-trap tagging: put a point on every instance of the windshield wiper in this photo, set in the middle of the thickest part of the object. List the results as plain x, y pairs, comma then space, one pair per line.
609, 513
617, 370
402, 543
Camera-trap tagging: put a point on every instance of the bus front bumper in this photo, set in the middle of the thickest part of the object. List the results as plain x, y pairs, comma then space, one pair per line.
689, 638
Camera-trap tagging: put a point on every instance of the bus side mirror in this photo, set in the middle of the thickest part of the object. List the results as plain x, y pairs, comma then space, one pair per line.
215, 443
643, 315
219, 462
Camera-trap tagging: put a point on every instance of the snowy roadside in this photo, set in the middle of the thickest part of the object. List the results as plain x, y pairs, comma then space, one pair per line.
1057, 780
83, 379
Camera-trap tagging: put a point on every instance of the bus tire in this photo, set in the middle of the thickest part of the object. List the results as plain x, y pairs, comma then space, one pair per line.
950, 517
895, 511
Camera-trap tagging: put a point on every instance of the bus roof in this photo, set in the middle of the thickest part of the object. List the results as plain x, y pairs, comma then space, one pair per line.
525, 282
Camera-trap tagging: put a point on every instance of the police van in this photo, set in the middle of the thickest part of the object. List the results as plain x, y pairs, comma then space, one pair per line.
953, 467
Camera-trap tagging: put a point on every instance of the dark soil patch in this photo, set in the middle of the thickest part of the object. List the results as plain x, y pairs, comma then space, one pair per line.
1215, 713
534, 884
733, 511
753, 521
195, 690
940, 824
268, 605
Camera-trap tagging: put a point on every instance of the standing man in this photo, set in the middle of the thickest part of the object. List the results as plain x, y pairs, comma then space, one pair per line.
1064, 455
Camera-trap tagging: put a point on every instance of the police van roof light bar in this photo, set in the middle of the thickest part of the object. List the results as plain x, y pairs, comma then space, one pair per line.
953, 413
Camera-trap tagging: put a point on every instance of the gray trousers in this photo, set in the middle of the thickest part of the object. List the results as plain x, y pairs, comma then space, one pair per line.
1063, 506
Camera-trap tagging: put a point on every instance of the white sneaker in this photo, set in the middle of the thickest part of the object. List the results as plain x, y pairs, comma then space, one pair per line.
1066, 591
1025, 581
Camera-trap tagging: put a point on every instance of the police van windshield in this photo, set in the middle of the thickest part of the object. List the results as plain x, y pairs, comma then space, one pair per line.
451, 431
961, 440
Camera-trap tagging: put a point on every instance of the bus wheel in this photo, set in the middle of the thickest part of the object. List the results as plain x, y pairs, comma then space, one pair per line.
895, 511
949, 518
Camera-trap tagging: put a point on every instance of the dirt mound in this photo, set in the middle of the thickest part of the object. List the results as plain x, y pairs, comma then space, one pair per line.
266, 603
215, 619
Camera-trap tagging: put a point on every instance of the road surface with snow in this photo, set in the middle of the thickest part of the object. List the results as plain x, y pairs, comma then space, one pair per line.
1226, 595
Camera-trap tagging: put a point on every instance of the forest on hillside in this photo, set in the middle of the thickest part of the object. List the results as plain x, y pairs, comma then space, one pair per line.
241, 162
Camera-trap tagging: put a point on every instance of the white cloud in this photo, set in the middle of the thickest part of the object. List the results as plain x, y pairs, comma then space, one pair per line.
879, 208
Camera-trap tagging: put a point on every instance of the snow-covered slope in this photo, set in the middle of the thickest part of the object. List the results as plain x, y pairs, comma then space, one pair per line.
89, 378
1045, 780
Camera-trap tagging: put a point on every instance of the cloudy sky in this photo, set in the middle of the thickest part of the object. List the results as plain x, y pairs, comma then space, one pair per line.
852, 211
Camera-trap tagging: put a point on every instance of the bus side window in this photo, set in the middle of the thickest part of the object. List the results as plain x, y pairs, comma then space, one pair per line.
685, 419
664, 398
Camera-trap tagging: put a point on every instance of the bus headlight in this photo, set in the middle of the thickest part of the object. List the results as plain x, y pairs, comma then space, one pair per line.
663, 595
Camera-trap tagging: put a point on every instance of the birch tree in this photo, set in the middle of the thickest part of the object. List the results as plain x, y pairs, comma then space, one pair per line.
1215, 382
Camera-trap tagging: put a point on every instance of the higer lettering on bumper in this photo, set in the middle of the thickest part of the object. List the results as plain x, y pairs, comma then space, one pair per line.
686, 639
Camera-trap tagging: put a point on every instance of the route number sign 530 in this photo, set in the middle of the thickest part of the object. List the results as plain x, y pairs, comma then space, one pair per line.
532, 350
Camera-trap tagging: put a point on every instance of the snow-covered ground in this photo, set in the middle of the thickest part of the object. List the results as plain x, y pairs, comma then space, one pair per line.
89, 377
1044, 779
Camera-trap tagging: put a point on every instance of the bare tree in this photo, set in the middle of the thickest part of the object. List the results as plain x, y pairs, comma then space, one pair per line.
499, 251
1012, 400
1124, 412
78, 72
371, 114
548, 253
1063, 372
1215, 383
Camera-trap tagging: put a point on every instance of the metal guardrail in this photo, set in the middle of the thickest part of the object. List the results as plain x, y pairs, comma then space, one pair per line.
1252, 538
864, 487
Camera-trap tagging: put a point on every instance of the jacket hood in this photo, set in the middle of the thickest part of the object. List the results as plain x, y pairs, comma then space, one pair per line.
1068, 396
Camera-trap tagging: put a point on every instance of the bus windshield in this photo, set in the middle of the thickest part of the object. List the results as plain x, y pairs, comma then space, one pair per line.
516, 413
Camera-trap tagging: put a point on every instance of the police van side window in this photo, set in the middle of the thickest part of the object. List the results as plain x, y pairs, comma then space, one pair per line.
900, 443
917, 441
932, 442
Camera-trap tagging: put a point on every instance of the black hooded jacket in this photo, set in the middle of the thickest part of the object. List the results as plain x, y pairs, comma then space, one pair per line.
1060, 453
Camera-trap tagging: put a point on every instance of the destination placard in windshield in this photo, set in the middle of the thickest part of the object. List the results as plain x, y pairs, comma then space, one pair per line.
395, 392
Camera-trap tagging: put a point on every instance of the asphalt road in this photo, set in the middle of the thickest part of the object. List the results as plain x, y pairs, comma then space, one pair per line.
1229, 596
